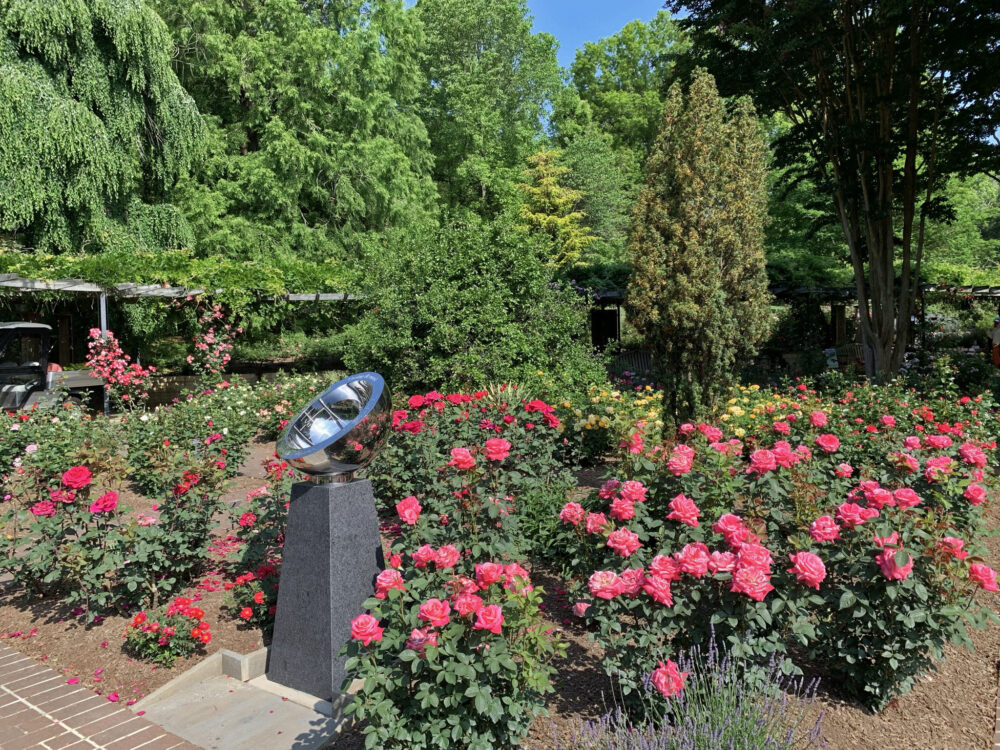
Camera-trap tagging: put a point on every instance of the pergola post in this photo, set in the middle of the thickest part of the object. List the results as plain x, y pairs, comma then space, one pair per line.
103, 307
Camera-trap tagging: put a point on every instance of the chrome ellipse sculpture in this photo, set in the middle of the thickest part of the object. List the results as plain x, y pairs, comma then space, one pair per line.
341, 430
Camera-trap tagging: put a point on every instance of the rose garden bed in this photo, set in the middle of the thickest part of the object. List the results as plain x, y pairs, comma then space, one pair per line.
479, 480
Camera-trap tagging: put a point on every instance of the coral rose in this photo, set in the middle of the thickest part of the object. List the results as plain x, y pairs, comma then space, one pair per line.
633, 491
571, 513
408, 510
632, 580
468, 604
489, 618
808, 568
624, 541
435, 612
665, 567
828, 442
622, 509
975, 493
605, 584
818, 419
762, 461
683, 509
852, 514
365, 629
446, 557
668, 679
462, 459
693, 559
892, 570
824, 529
497, 449
423, 555
596, 523
488, 573
658, 589
952, 546
754, 582
387, 580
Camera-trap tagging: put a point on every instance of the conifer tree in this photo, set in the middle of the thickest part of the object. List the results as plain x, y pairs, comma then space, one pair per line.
94, 127
698, 291
551, 209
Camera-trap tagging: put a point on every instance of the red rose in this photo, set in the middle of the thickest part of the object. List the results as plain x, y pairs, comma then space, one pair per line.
77, 477
246, 613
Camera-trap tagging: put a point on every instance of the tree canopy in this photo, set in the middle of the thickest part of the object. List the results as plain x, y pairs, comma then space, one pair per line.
95, 128
886, 101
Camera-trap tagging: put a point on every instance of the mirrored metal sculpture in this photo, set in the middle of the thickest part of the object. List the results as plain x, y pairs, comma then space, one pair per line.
340, 431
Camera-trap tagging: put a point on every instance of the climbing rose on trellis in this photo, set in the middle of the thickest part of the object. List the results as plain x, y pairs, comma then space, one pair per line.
124, 380
213, 342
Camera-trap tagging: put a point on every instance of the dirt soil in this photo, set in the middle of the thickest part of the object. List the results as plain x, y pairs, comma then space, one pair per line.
953, 708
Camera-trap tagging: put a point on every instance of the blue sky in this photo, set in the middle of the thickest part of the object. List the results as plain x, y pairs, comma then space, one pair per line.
574, 22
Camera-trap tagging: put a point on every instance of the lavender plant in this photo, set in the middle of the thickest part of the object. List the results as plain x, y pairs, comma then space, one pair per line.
726, 704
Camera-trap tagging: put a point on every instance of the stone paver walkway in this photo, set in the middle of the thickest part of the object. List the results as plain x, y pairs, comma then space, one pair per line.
38, 710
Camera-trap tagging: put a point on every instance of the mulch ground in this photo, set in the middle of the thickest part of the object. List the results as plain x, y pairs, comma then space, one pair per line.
952, 708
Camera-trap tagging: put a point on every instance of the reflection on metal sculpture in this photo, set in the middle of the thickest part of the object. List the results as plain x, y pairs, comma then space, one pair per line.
340, 431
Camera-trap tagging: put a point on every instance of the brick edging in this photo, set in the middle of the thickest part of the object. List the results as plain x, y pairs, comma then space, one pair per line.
39, 711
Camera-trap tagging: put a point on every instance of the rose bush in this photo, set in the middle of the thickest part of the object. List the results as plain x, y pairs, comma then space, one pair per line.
166, 633
452, 654
848, 527
484, 468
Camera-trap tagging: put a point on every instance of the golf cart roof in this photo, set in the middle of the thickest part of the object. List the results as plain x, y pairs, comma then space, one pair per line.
30, 326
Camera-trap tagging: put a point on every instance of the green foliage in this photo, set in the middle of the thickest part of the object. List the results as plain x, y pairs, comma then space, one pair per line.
622, 79
488, 82
312, 135
551, 209
468, 303
886, 101
698, 291
94, 127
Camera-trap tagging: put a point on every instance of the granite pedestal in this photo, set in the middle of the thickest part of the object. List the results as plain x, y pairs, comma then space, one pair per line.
331, 556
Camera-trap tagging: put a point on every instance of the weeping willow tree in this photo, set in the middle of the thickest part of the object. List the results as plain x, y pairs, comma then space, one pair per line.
94, 127
698, 291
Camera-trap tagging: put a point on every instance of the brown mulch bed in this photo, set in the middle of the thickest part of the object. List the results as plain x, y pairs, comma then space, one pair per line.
950, 709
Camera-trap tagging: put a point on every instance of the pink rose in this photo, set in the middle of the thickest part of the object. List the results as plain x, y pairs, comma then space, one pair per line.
693, 559
668, 679
952, 546
462, 459
892, 540
975, 493
754, 555
665, 567
679, 463
609, 489
633, 491
906, 497
984, 575
365, 628
416, 401
596, 523
844, 470
727, 525
721, 562
468, 604
888, 420
105, 503
622, 509
782, 428
487, 574
45, 509
808, 568
77, 477
818, 419
420, 639
446, 557
886, 560
852, 514
605, 584
571, 513
684, 510
939, 442
972, 454
408, 510
497, 449
824, 529
489, 618
754, 582
658, 589
516, 579
435, 612
387, 580
632, 580
423, 555
624, 541
580, 609
762, 461
828, 442
911, 443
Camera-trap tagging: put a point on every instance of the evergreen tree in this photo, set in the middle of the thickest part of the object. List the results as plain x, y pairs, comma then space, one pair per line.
550, 209
698, 291
94, 127
488, 84
313, 140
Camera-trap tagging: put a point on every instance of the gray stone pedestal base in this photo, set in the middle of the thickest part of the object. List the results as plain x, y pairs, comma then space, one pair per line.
331, 556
